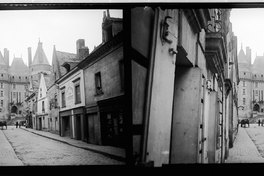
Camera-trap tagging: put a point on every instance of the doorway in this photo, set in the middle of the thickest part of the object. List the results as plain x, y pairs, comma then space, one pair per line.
78, 127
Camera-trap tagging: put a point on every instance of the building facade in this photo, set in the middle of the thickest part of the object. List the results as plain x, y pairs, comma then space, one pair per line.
251, 86
180, 71
14, 81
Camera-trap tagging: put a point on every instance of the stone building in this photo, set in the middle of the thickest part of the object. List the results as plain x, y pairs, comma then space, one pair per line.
98, 80
181, 85
251, 86
14, 80
62, 63
38, 67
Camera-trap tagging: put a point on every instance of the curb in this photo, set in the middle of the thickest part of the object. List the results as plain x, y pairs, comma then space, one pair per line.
115, 157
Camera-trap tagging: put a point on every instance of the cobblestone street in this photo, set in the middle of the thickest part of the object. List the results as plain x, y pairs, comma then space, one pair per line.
20, 147
248, 146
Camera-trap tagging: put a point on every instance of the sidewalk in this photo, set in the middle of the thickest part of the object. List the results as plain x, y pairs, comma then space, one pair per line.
109, 151
244, 150
7, 154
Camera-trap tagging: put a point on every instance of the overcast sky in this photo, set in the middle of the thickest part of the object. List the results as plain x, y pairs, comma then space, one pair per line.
21, 29
248, 26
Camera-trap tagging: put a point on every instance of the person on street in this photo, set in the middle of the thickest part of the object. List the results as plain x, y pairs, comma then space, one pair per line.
16, 124
259, 122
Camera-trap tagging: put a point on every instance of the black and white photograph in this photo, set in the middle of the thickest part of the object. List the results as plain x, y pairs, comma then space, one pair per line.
61, 87
197, 85
131, 85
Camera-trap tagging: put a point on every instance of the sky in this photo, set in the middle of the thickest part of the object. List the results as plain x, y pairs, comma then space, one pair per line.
21, 29
248, 26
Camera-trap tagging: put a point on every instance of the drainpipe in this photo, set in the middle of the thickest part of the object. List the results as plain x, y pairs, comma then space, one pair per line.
149, 86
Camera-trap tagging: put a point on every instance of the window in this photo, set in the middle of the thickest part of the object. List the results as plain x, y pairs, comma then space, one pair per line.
244, 101
98, 83
43, 108
244, 83
14, 85
121, 72
2, 85
2, 93
2, 103
256, 93
256, 85
55, 101
2, 75
244, 73
77, 93
244, 91
63, 103
19, 77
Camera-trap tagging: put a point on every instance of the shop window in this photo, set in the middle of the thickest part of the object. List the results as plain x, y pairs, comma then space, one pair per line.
98, 83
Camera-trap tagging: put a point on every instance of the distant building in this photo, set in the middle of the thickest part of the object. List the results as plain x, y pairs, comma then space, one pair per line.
14, 81
251, 86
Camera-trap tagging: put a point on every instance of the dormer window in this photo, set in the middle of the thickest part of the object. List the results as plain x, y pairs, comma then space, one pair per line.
67, 67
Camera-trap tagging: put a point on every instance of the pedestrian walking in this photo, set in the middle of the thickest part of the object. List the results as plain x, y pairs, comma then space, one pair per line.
16, 124
259, 122
262, 122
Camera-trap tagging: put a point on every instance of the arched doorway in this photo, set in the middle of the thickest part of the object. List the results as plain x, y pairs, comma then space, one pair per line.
256, 107
14, 109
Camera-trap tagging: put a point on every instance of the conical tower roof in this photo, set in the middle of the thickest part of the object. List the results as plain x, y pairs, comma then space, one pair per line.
19, 67
242, 56
258, 65
40, 56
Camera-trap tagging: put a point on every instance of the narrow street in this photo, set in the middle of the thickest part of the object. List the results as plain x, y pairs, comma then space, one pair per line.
248, 146
20, 147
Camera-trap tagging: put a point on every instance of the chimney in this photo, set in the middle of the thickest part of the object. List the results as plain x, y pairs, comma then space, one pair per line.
29, 57
106, 27
6, 56
80, 43
248, 54
81, 48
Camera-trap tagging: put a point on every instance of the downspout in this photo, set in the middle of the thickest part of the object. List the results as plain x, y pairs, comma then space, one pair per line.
149, 86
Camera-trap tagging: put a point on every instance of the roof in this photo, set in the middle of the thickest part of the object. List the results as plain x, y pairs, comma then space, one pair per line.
18, 67
258, 64
63, 57
40, 56
49, 80
242, 56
